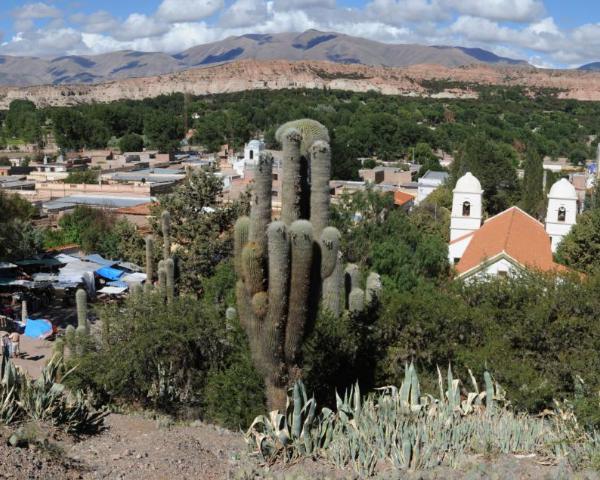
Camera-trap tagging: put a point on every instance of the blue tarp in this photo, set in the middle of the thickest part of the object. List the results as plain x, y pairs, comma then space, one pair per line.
38, 328
110, 273
118, 283
94, 257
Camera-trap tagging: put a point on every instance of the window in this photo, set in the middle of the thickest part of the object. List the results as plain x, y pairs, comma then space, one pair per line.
562, 214
251, 154
466, 209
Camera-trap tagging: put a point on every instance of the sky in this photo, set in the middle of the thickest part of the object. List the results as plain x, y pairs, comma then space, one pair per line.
547, 33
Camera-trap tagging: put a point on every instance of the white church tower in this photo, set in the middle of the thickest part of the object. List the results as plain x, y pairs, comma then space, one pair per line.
562, 211
466, 206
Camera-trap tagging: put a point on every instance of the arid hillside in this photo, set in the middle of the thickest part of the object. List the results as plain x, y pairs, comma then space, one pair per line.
417, 80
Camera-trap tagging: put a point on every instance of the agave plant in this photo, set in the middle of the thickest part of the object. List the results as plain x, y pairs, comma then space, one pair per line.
409, 430
297, 432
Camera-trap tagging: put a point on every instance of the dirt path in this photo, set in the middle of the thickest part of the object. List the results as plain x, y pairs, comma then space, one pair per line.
137, 448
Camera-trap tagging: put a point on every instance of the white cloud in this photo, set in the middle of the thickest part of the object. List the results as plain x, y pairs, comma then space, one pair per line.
138, 25
283, 5
402, 11
510, 10
245, 13
97, 22
36, 10
44, 43
188, 10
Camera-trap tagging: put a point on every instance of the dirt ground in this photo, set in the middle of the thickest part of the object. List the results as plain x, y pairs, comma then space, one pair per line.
136, 447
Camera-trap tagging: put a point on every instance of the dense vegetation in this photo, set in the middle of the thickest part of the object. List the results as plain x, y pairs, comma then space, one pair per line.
361, 125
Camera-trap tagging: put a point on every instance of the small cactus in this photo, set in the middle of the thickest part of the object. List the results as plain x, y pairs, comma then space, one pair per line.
149, 258
82, 321
169, 267
162, 282
165, 220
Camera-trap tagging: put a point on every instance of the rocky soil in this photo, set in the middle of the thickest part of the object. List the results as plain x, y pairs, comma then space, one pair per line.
281, 74
135, 447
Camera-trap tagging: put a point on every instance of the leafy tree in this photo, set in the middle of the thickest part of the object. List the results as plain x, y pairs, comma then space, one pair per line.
22, 121
18, 238
580, 249
533, 200
201, 227
424, 156
131, 142
163, 131
486, 161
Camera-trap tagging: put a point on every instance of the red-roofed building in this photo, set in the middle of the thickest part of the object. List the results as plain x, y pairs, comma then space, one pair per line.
511, 241
404, 200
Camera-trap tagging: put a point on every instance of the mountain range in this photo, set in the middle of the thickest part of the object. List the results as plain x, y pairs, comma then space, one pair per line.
311, 45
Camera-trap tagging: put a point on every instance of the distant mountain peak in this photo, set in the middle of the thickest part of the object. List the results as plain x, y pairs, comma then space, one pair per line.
310, 45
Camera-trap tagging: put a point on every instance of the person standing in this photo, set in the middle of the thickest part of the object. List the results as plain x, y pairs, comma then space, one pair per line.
5, 346
15, 340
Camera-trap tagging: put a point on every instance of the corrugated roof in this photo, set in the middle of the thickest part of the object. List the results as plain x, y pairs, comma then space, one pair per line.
514, 233
95, 200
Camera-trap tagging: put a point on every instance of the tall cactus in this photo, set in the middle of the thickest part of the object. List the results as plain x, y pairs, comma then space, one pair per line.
165, 221
284, 265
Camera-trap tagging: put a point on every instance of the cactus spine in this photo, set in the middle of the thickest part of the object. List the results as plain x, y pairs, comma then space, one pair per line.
284, 265
165, 221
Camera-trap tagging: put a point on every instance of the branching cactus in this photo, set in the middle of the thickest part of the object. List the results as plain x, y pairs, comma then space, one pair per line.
285, 266
165, 221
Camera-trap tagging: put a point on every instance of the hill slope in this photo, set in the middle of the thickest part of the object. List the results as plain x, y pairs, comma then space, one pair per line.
415, 80
311, 45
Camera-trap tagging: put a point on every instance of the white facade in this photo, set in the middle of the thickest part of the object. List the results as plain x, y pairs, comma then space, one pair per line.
562, 211
428, 183
457, 248
252, 151
502, 265
466, 207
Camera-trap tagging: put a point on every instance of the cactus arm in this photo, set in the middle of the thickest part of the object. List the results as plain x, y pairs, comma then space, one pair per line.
291, 185
332, 289
260, 215
302, 252
279, 274
252, 267
241, 231
319, 193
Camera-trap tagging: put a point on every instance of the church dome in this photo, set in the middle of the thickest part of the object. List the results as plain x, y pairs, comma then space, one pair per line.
468, 183
563, 189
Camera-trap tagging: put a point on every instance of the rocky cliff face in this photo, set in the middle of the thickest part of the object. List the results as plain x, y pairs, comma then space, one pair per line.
280, 74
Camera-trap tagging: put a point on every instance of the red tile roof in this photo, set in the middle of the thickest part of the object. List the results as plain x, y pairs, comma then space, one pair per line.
514, 233
401, 198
